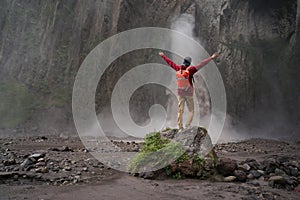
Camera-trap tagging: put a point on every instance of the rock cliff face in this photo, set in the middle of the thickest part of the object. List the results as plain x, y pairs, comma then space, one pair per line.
43, 43
258, 41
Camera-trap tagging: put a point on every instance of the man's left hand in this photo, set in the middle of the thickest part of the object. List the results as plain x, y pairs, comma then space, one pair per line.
214, 55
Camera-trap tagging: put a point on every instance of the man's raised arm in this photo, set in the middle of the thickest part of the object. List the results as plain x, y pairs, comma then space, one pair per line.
169, 61
206, 61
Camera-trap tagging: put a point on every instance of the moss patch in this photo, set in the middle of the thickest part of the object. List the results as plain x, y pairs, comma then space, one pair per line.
15, 104
159, 152
155, 153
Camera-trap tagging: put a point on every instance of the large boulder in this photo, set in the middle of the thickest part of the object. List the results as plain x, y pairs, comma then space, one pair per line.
186, 153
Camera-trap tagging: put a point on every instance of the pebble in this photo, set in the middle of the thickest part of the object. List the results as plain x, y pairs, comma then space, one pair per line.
293, 171
261, 172
240, 175
27, 162
229, 178
255, 174
85, 169
39, 164
37, 156
67, 168
41, 160
250, 176
279, 172
42, 170
244, 167
16, 177
277, 180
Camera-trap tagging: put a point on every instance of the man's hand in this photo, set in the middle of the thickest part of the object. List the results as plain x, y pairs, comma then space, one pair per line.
214, 55
161, 53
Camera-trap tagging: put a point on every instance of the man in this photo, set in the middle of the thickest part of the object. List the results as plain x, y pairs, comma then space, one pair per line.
184, 76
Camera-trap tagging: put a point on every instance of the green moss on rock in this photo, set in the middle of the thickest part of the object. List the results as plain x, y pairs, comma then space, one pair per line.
176, 161
156, 153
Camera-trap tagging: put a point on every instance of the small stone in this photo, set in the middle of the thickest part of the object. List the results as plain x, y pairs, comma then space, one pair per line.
42, 170
55, 169
73, 162
294, 171
16, 169
277, 180
39, 164
9, 162
44, 138
66, 148
226, 166
41, 160
16, 177
250, 176
279, 172
65, 183
261, 172
245, 167
27, 162
240, 175
229, 178
37, 156
255, 173
67, 168
148, 175
77, 177
85, 169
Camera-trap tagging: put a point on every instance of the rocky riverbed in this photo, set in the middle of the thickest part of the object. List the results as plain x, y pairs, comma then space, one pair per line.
49, 167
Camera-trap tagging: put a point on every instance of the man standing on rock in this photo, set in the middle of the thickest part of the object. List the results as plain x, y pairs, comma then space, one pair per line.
184, 76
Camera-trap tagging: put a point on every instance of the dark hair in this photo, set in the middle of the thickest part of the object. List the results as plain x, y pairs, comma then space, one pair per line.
187, 61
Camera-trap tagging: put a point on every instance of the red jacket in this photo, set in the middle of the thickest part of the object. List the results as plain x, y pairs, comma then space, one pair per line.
192, 71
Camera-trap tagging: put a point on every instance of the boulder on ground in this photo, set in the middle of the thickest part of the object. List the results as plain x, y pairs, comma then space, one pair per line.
186, 153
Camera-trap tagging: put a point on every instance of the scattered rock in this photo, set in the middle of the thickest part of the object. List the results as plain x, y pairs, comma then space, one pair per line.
85, 169
240, 175
279, 172
277, 180
293, 171
42, 170
9, 162
148, 175
37, 156
229, 178
66, 148
255, 174
250, 176
226, 166
67, 168
245, 167
62, 149
41, 160
27, 163
261, 172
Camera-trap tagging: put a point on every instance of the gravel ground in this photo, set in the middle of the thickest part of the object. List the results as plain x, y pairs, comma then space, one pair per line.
49, 167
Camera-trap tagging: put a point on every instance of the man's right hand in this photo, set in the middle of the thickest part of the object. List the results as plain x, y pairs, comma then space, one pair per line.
161, 53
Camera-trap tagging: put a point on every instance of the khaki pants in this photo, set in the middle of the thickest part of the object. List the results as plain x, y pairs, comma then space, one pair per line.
190, 104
